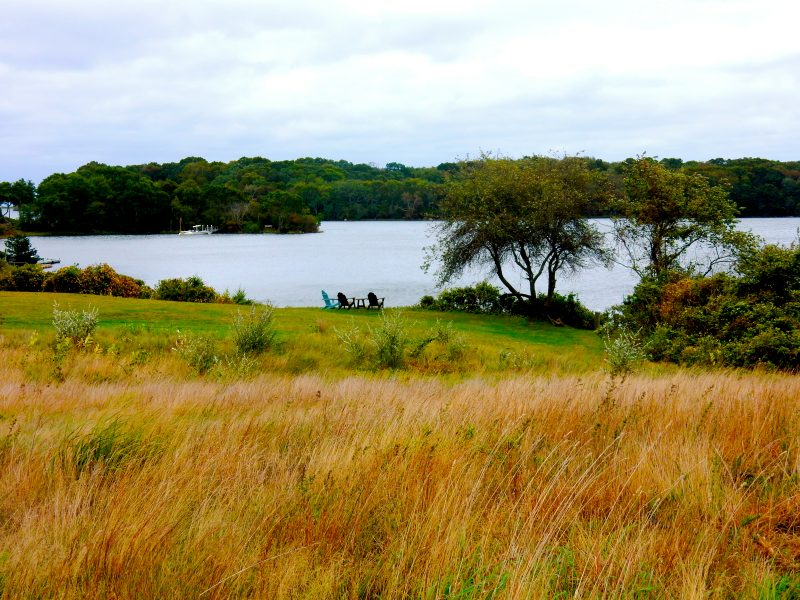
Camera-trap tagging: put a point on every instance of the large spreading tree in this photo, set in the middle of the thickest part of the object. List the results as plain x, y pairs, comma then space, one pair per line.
523, 219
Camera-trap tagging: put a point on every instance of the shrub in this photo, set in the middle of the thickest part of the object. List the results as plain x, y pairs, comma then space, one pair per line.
66, 280
741, 321
484, 298
20, 251
102, 280
75, 326
354, 343
254, 333
27, 278
390, 341
481, 298
191, 289
565, 310
199, 352
624, 351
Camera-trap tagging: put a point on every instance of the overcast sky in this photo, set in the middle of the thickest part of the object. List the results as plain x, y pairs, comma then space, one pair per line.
414, 81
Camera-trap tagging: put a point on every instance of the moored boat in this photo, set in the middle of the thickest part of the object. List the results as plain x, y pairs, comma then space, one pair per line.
199, 230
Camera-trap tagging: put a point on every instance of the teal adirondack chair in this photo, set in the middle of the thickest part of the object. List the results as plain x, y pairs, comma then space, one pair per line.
328, 302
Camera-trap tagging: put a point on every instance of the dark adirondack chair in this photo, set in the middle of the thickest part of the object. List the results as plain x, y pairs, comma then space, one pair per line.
374, 301
344, 302
328, 302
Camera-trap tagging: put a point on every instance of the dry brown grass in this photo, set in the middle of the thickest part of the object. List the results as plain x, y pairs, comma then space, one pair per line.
683, 485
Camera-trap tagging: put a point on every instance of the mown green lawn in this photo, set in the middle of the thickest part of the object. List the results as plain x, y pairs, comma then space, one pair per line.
23, 312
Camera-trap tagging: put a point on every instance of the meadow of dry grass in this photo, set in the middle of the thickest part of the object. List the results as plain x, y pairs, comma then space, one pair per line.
396, 486
515, 467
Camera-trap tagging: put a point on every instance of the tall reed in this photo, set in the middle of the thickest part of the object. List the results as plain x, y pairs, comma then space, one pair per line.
360, 487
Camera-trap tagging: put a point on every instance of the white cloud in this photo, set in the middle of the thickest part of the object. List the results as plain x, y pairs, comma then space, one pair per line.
420, 82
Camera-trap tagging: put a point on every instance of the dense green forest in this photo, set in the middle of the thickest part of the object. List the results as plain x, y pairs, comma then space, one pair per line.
258, 194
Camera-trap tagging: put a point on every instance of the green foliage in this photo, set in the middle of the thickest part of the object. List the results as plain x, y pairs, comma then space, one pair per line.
664, 213
75, 326
102, 280
390, 340
24, 278
254, 333
482, 298
624, 351
560, 310
740, 321
66, 280
529, 213
384, 345
249, 194
354, 343
191, 289
239, 297
19, 250
198, 351
293, 195
110, 446
779, 587
99, 280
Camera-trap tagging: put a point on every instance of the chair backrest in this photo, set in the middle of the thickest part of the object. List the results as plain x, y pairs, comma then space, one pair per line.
373, 299
342, 299
326, 299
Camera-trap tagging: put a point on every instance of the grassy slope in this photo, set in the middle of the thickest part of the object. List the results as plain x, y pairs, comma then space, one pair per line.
560, 348
129, 476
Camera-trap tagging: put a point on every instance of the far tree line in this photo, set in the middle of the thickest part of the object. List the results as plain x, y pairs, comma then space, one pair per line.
258, 194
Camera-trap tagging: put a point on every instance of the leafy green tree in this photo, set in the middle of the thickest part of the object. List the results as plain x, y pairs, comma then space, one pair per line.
19, 250
524, 215
664, 213
20, 193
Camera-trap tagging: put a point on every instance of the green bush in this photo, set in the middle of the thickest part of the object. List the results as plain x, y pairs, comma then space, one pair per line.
191, 289
27, 278
199, 352
354, 343
254, 333
18, 250
66, 280
624, 351
74, 326
564, 310
390, 341
743, 320
102, 280
482, 298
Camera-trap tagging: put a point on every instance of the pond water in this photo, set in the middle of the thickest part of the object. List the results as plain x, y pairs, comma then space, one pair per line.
353, 257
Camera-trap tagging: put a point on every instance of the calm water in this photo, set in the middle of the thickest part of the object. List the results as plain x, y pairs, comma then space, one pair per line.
352, 257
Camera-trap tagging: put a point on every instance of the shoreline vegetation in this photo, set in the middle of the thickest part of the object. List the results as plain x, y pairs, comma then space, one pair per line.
500, 460
254, 195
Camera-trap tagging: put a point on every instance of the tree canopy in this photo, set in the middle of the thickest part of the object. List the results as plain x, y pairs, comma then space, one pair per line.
664, 213
527, 216
19, 250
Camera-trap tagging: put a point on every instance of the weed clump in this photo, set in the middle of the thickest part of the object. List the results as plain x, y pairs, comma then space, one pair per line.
74, 326
390, 340
624, 352
110, 446
199, 352
254, 333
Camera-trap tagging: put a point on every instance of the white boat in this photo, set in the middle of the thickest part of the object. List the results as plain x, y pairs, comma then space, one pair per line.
199, 230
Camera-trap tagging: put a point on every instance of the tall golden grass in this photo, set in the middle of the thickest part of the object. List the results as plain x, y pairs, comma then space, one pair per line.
682, 485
